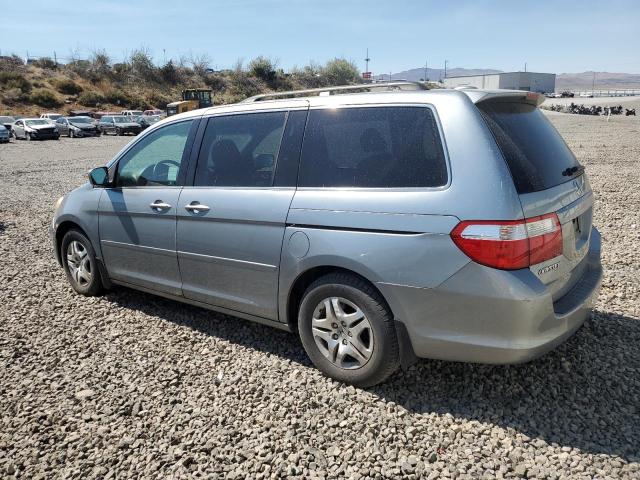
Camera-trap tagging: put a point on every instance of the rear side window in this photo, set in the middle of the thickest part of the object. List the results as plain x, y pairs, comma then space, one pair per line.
240, 150
372, 147
534, 150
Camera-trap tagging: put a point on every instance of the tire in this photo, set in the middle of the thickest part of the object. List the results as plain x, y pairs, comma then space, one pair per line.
119, 132
377, 355
71, 134
27, 136
80, 264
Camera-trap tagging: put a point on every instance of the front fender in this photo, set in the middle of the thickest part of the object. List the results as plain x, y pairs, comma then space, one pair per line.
80, 207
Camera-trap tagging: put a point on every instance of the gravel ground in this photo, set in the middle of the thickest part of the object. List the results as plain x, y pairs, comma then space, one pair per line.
129, 385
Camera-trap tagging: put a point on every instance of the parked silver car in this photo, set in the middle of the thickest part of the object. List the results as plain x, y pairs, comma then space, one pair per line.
379, 226
34, 129
77, 127
118, 125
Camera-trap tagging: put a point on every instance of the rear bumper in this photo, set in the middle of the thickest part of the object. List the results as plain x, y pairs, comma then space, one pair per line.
485, 315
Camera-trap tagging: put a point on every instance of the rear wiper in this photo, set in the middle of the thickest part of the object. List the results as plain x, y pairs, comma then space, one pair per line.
571, 171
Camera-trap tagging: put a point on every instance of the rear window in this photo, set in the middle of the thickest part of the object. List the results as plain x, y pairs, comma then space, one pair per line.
372, 147
534, 150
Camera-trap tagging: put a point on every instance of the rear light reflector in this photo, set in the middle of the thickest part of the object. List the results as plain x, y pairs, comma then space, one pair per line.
510, 245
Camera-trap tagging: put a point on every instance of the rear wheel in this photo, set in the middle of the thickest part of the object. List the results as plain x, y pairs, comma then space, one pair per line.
119, 132
80, 264
348, 331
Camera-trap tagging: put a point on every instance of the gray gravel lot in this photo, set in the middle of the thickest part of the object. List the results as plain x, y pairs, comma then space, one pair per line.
130, 385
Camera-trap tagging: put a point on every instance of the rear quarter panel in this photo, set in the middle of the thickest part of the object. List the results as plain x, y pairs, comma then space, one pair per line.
400, 237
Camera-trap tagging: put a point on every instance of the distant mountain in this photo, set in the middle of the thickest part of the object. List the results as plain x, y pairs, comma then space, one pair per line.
564, 81
603, 81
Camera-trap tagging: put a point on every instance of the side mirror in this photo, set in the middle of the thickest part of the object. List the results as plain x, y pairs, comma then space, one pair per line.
99, 177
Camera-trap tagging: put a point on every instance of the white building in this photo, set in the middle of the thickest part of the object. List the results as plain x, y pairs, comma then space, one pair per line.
529, 81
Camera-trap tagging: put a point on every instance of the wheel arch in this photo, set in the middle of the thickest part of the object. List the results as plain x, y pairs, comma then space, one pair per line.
61, 231
306, 278
70, 224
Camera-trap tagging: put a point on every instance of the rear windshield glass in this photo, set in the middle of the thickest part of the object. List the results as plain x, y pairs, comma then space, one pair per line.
534, 150
372, 147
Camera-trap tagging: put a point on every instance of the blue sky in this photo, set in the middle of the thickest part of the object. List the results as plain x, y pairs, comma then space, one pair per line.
553, 36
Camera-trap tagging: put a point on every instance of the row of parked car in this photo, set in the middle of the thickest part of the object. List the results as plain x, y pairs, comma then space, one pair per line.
54, 125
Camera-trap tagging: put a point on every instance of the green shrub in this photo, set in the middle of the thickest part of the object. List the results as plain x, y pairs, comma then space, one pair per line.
44, 98
79, 67
13, 96
67, 86
215, 82
263, 68
91, 99
45, 62
142, 65
158, 100
169, 73
117, 97
309, 76
340, 71
10, 80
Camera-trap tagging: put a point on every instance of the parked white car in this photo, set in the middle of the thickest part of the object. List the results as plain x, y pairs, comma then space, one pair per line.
51, 117
131, 113
34, 129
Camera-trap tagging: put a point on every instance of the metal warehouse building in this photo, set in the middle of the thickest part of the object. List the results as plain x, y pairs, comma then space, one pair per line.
529, 81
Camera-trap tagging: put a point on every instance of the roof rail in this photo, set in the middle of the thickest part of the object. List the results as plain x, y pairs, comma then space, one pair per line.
342, 89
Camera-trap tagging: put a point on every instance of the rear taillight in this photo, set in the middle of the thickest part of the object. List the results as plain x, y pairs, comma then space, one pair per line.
510, 245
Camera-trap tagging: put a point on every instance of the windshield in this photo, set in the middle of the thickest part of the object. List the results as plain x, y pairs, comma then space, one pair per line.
151, 118
122, 120
536, 154
80, 120
31, 123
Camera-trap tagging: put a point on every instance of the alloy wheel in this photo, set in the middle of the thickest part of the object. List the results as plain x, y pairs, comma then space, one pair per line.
342, 333
79, 263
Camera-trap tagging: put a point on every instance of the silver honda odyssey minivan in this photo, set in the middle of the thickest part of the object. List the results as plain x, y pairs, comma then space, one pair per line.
379, 223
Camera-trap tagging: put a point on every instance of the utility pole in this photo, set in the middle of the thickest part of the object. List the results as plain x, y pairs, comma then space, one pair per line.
445, 68
55, 58
164, 56
525, 66
426, 69
593, 83
366, 61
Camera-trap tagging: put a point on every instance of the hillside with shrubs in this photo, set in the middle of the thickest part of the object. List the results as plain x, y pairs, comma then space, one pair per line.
138, 83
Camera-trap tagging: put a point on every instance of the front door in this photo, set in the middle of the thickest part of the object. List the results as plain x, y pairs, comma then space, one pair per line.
231, 222
138, 216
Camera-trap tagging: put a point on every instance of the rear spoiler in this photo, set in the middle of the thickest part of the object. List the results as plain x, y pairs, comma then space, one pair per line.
478, 96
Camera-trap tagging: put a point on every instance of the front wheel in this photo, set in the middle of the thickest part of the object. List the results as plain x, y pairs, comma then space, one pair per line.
71, 134
27, 136
348, 331
80, 264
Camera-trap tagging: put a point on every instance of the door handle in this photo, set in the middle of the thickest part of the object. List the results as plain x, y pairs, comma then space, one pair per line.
197, 207
159, 205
